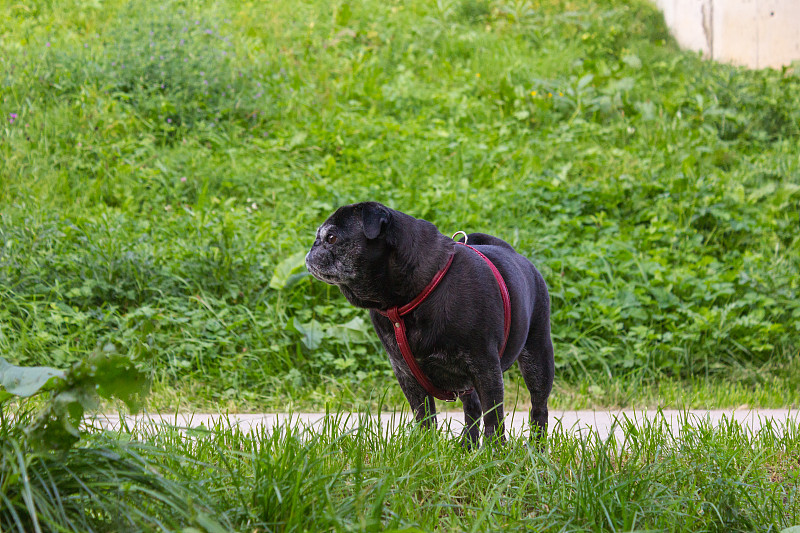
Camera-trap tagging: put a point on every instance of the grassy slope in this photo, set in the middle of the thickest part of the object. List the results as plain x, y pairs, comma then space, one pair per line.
657, 193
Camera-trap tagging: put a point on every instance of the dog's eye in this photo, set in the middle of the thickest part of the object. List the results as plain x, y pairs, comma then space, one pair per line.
330, 238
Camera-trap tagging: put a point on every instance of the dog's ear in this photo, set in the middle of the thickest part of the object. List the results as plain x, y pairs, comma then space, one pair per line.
375, 218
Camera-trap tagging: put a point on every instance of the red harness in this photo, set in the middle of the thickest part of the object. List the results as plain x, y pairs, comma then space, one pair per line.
396, 314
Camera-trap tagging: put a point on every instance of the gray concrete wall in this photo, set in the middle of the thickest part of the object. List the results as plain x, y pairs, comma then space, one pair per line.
752, 33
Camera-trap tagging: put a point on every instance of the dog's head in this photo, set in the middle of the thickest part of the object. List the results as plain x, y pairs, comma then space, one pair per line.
351, 250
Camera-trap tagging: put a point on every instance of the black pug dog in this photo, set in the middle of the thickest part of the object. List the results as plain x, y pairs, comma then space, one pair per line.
382, 259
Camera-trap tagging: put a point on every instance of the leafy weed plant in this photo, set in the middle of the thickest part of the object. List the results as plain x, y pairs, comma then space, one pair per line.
52, 479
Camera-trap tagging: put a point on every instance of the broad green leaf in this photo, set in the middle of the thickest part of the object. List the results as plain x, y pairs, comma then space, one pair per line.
104, 373
585, 80
357, 324
56, 427
761, 192
112, 375
793, 529
632, 61
646, 109
289, 271
624, 84
312, 333
296, 140
26, 381
523, 114
356, 330
119, 377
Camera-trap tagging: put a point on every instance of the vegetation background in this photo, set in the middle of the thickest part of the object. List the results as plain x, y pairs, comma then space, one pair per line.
163, 167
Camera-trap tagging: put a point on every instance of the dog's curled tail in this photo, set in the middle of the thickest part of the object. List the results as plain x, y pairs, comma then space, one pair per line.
476, 239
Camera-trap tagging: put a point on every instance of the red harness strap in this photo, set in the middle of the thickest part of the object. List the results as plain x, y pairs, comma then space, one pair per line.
395, 314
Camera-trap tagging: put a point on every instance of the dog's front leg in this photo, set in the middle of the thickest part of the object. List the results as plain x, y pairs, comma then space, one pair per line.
472, 419
422, 403
425, 411
490, 391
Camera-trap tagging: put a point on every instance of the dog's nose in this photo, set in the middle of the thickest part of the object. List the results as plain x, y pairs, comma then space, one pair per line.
309, 258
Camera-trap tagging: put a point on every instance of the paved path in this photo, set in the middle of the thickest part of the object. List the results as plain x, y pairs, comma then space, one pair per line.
582, 422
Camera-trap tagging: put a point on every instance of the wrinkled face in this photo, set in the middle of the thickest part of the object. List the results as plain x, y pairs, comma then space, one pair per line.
350, 248
335, 254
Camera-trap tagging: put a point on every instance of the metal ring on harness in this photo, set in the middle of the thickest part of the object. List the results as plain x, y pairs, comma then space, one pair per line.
464, 233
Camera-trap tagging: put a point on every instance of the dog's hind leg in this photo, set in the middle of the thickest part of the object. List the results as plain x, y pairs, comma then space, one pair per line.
537, 367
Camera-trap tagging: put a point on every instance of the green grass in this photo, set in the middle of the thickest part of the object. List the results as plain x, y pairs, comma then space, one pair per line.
160, 162
376, 478
767, 386
108, 483
60, 471
163, 168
